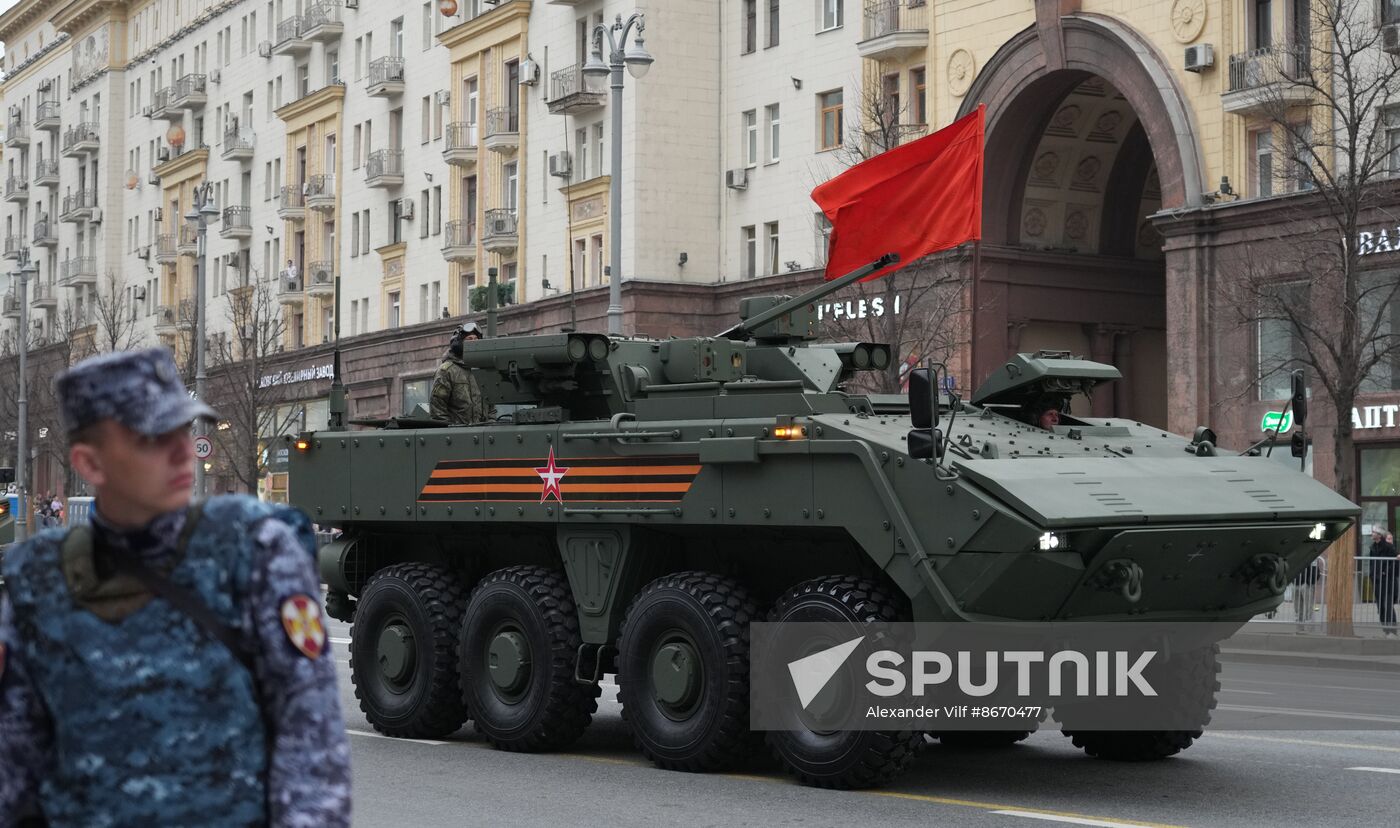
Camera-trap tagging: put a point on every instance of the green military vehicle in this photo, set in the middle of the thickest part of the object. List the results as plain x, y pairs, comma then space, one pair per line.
647, 499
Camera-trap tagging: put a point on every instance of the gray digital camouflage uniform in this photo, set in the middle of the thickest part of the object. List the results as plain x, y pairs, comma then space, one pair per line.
456, 396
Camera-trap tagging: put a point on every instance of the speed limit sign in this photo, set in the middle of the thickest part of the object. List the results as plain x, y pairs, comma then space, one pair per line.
203, 448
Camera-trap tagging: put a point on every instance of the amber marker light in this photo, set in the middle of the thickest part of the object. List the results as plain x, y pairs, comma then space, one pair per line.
303, 444
790, 432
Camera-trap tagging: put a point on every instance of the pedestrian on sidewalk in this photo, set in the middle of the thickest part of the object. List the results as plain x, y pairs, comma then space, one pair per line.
1385, 577
164, 664
1305, 589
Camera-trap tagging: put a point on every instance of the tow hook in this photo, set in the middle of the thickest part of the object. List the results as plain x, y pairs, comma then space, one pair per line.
1265, 571
1122, 576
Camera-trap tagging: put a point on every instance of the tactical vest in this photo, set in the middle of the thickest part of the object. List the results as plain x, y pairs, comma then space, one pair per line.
155, 722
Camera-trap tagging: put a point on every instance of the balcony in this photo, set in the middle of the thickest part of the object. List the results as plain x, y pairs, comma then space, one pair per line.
503, 130
290, 40
187, 242
45, 234
46, 173
385, 77
289, 289
320, 279
322, 22
384, 168
237, 223
82, 139
291, 204
77, 273
191, 92
238, 145
163, 105
16, 189
502, 235
1262, 80
42, 295
320, 192
167, 320
569, 93
17, 134
894, 29
9, 308
47, 115
78, 206
13, 244
459, 242
165, 249
461, 144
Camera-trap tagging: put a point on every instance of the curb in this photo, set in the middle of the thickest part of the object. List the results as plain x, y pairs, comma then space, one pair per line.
1297, 659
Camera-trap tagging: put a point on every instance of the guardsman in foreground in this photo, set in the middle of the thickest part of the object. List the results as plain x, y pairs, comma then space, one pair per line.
166, 665
456, 396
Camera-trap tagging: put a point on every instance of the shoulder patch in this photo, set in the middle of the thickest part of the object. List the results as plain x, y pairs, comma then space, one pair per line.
301, 618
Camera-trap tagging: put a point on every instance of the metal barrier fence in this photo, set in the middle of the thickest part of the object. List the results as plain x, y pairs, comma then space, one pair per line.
1306, 605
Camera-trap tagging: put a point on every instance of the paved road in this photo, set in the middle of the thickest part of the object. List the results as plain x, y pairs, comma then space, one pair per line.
1236, 778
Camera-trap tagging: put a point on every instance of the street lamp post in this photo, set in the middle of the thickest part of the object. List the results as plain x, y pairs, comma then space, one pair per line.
637, 60
199, 218
22, 275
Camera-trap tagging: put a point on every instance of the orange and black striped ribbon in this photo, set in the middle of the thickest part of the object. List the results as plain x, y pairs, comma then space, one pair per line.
588, 479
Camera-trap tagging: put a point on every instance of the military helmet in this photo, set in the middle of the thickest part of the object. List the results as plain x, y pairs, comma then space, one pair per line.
468, 329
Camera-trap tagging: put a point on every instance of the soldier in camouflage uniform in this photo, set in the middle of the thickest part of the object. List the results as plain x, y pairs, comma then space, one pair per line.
166, 665
456, 396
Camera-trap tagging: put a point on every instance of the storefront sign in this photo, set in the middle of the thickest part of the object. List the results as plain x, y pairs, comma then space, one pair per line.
1374, 416
858, 308
1272, 420
304, 375
1384, 240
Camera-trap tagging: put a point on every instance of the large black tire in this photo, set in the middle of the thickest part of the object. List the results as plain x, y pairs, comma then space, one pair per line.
850, 758
1191, 684
412, 691
981, 738
703, 619
543, 708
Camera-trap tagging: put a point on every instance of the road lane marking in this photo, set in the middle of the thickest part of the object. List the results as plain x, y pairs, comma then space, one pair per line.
340, 640
1018, 810
1293, 684
1250, 692
1314, 714
1378, 770
354, 732
1103, 823
1310, 742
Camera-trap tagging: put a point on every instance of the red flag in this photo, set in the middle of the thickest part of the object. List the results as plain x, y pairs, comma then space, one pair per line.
913, 200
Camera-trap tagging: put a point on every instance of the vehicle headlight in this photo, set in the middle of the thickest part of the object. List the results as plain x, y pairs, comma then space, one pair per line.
1051, 541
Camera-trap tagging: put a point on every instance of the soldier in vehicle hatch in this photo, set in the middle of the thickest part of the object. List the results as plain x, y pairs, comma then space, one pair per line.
456, 396
1046, 410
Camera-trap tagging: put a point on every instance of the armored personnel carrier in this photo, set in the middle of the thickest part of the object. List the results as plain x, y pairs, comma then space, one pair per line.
647, 499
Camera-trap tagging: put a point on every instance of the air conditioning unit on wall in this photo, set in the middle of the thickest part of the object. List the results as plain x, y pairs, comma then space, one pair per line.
265, 49
1200, 57
406, 208
561, 165
737, 179
443, 97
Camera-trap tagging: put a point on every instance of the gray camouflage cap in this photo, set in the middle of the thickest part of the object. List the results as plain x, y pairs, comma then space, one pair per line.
139, 389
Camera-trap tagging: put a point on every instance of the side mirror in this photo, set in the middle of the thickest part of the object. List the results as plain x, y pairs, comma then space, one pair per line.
925, 443
1299, 445
923, 405
7, 474
1300, 398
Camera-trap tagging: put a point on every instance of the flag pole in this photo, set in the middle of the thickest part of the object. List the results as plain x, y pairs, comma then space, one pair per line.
742, 330
972, 356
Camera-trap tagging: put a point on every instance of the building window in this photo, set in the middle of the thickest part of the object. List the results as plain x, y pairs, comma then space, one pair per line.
1392, 138
1280, 348
750, 30
771, 230
580, 154
1390, 11
833, 14
427, 26
1379, 299
598, 146
774, 127
823, 225
394, 309
918, 82
437, 210
511, 194
750, 252
423, 205
830, 105
750, 138
772, 23
1302, 160
1263, 163
427, 124
332, 67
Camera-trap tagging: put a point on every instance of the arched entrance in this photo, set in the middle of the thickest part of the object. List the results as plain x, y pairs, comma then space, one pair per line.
1085, 140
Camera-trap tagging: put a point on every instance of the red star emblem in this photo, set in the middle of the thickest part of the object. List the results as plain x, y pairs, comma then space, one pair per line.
551, 475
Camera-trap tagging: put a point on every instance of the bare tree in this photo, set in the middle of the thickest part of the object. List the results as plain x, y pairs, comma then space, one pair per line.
1326, 98
114, 316
919, 310
239, 363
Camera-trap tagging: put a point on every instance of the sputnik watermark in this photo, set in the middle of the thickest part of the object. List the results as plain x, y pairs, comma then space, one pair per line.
929, 669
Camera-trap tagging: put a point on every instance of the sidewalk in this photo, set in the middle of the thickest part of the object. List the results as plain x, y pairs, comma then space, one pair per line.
1277, 643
